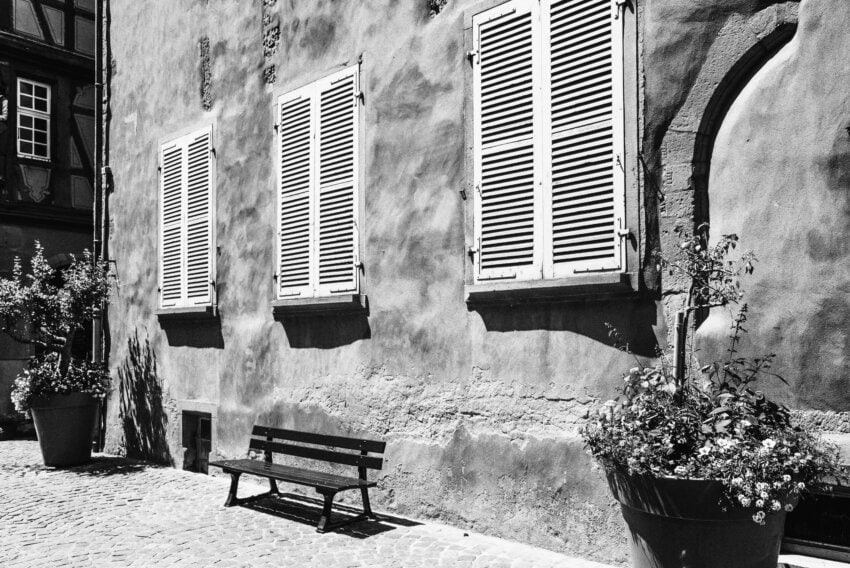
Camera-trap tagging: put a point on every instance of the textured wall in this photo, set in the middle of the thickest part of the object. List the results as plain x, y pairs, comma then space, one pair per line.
481, 409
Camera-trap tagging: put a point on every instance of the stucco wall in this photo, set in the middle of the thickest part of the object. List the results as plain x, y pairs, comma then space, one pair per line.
481, 408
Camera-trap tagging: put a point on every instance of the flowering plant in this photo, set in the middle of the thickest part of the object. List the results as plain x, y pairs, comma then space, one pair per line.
48, 308
711, 423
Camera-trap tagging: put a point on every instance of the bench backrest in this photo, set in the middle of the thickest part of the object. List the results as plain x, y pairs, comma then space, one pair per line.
265, 439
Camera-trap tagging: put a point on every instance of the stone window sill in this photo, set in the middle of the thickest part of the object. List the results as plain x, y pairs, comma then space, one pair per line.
602, 286
328, 305
187, 314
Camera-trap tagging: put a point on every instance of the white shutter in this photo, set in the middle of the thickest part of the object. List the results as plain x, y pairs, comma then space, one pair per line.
171, 226
186, 221
585, 149
506, 142
199, 218
295, 139
336, 183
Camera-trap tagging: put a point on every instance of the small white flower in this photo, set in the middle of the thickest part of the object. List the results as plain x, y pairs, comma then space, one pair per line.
769, 443
789, 507
786, 478
745, 501
775, 506
801, 486
759, 517
759, 503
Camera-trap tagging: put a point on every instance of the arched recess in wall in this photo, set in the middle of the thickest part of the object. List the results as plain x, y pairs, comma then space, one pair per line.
718, 106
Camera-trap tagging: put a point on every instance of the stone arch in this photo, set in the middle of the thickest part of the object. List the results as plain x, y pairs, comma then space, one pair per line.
739, 50
718, 105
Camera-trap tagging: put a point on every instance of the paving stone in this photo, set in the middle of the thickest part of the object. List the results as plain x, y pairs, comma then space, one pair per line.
118, 512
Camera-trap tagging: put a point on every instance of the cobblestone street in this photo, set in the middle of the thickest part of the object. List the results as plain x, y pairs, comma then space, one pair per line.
116, 512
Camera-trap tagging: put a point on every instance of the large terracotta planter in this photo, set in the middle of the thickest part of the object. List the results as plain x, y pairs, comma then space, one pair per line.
64, 425
680, 523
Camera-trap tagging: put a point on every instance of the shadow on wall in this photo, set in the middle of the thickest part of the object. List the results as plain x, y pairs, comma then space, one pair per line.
326, 333
201, 333
634, 320
142, 416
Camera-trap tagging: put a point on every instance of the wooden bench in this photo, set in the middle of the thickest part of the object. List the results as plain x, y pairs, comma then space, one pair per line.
276, 441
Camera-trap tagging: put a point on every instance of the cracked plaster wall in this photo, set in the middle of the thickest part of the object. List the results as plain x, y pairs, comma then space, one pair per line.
481, 411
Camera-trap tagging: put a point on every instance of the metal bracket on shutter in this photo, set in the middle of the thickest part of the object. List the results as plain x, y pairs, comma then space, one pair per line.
463, 194
276, 127
471, 252
619, 5
359, 96
625, 232
472, 55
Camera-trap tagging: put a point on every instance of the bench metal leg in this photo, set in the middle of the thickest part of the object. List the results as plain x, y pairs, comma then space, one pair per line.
367, 509
234, 484
273, 487
324, 521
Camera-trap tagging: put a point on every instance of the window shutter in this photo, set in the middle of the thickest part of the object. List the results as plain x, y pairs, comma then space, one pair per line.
587, 193
294, 196
336, 206
506, 133
171, 226
199, 218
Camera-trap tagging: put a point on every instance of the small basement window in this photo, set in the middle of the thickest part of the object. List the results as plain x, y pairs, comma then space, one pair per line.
197, 440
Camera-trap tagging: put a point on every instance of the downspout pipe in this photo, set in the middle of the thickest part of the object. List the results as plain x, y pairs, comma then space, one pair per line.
101, 184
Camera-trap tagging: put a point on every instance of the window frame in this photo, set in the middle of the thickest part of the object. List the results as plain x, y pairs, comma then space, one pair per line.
552, 285
320, 297
185, 306
33, 114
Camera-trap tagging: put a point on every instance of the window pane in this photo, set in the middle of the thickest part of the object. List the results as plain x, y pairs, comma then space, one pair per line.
26, 120
41, 150
26, 148
26, 102
25, 134
41, 137
40, 124
40, 105
26, 88
40, 92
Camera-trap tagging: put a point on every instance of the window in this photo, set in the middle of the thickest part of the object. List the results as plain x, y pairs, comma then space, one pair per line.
186, 221
548, 140
318, 188
33, 120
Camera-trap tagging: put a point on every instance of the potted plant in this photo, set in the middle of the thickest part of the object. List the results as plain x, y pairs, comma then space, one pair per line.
704, 466
48, 309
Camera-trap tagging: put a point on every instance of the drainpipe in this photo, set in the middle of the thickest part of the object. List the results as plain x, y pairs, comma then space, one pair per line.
101, 184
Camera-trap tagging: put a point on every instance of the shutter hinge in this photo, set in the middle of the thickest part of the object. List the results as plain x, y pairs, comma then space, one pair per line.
625, 232
359, 96
472, 55
276, 127
472, 251
463, 194
618, 7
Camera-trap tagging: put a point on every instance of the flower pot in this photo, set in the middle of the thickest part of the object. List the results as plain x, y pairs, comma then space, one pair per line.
64, 425
680, 523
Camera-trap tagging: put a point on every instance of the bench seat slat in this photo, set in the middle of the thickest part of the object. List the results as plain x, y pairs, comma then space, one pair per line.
370, 462
293, 474
373, 446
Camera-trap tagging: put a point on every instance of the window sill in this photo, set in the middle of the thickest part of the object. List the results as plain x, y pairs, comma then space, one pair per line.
342, 304
603, 286
187, 314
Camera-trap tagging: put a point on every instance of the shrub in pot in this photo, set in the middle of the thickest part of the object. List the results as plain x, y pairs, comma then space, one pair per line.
704, 466
49, 308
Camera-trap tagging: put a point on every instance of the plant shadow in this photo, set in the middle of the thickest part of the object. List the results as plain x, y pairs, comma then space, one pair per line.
143, 418
307, 510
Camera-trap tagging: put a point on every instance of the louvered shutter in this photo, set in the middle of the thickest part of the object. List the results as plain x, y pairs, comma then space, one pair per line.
199, 218
171, 226
295, 234
506, 142
336, 183
584, 151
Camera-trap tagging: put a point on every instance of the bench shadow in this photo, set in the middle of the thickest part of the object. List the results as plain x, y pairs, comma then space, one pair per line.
306, 510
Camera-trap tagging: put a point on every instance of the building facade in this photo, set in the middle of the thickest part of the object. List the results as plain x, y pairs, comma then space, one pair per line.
47, 135
420, 220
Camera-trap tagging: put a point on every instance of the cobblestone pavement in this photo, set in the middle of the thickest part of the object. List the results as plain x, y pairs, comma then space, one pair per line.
116, 512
